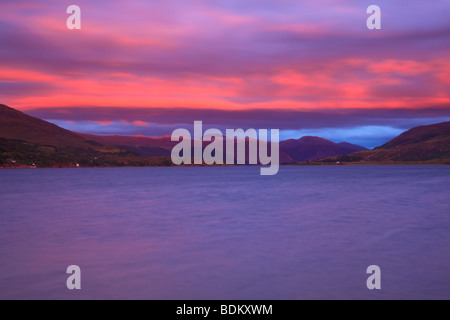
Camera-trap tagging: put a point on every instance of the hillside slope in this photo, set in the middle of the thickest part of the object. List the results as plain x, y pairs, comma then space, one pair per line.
424, 144
26, 141
19, 126
311, 148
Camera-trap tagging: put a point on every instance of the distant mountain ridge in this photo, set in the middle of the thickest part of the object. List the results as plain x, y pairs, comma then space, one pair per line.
311, 148
144, 146
306, 148
28, 140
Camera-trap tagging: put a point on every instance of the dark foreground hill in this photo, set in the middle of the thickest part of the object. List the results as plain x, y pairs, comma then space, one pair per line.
26, 141
424, 144
19, 126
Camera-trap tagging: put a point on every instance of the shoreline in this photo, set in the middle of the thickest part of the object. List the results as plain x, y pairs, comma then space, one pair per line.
309, 164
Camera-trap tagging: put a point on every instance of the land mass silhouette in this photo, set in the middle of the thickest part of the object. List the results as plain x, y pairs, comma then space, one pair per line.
26, 141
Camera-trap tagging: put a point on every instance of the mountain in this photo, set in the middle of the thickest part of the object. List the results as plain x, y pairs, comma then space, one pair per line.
312, 148
433, 134
306, 148
17, 125
25, 140
144, 146
424, 144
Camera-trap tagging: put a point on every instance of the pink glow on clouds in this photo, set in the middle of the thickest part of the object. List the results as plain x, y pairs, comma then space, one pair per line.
141, 123
405, 67
318, 88
233, 55
103, 122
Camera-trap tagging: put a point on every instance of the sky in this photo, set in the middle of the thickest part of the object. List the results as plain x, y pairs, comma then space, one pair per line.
306, 67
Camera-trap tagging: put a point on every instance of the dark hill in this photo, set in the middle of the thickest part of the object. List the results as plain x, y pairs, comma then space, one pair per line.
436, 132
424, 144
26, 141
19, 126
145, 146
312, 148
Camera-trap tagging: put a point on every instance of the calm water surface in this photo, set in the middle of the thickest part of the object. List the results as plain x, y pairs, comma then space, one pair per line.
226, 233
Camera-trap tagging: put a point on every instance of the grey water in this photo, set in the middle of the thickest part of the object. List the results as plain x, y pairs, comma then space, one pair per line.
226, 233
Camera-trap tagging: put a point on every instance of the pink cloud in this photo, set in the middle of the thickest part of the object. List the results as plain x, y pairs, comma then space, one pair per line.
103, 122
230, 57
405, 67
141, 123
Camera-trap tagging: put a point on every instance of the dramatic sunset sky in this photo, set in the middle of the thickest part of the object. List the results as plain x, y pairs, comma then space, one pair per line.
306, 67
